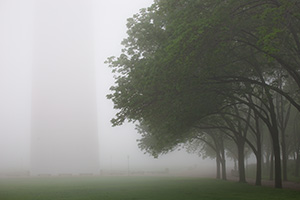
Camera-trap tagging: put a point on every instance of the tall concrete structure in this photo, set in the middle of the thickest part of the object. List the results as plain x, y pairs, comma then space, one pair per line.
64, 110
15, 81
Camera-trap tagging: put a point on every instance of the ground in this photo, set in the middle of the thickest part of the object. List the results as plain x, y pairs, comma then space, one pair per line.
138, 187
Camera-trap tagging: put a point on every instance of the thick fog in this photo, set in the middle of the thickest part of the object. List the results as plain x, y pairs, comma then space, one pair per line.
44, 90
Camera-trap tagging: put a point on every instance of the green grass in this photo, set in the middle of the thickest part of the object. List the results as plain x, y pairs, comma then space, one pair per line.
134, 188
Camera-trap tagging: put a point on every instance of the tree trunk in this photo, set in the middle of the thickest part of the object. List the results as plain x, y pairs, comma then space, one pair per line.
282, 119
218, 167
235, 164
259, 157
258, 170
258, 163
284, 158
267, 164
277, 160
224, 175
271, 167
297, 165
273, 128
223, 162
241, 162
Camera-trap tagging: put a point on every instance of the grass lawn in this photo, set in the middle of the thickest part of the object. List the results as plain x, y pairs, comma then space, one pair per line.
134, 188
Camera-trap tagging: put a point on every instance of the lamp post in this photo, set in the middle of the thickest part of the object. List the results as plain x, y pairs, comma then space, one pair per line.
128, 165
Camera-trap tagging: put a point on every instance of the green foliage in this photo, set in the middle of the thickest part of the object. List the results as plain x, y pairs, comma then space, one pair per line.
156, 84
184, 60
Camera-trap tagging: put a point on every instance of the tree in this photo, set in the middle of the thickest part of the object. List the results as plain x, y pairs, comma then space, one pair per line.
153, 87
209, 144
185, 60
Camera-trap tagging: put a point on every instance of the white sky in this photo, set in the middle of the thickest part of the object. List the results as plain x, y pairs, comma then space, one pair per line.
116, 143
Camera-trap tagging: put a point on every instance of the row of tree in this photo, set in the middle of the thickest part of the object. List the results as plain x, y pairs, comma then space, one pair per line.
214, 71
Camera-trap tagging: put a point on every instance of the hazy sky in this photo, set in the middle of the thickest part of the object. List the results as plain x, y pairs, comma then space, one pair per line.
116, 143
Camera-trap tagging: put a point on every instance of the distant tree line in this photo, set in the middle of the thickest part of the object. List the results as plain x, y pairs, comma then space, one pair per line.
219, 76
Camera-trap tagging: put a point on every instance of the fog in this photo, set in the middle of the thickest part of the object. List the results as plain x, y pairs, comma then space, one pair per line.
55, 117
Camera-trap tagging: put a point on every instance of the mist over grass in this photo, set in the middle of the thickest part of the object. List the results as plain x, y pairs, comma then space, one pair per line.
122, 188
